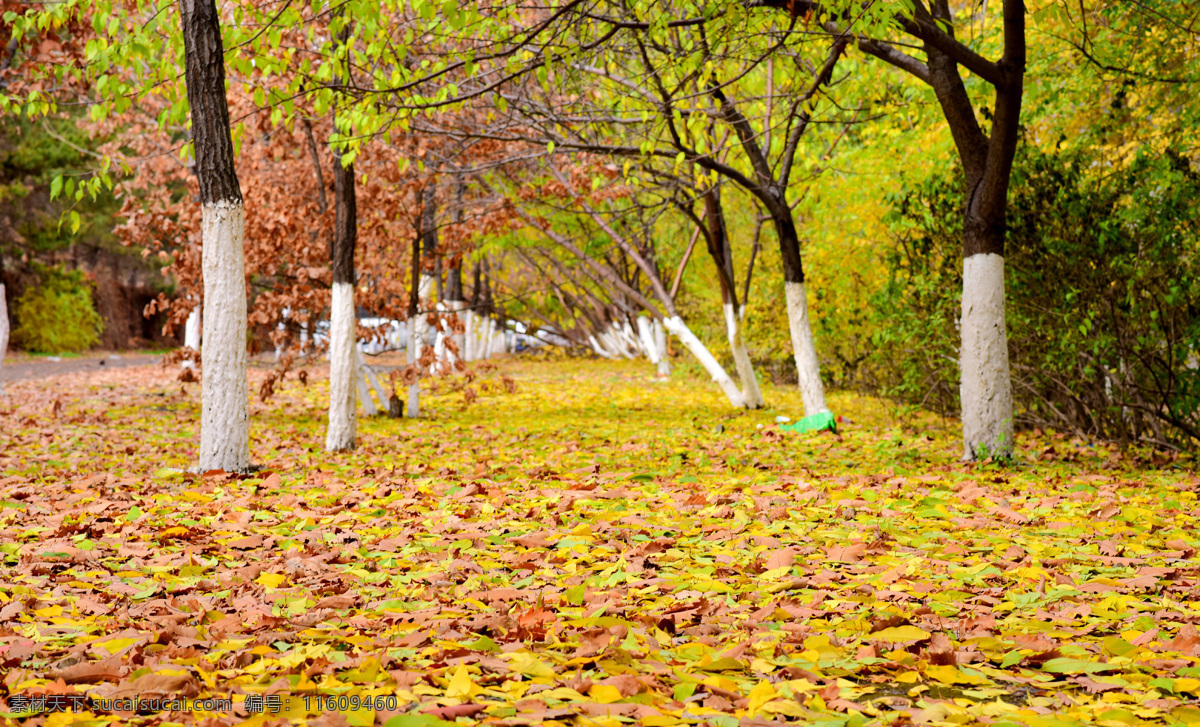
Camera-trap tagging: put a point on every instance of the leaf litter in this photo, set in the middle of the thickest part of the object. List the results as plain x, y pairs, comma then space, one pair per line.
582, 546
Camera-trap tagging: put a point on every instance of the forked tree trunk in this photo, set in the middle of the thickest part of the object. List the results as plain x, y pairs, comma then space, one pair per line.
741, 357
343, 366
225, 413
721, 251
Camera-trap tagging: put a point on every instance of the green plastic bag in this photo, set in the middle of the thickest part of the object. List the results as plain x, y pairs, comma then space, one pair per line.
814, 423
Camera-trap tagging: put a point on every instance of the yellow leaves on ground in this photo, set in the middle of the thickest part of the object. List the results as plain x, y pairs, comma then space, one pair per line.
595, 549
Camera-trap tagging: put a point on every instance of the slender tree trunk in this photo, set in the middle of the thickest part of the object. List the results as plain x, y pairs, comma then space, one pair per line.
225, 412
428, 252
456, 305
722, 253
646, 336
191, 333
660, 340
3, 329
677, 327
343, 334
414, 389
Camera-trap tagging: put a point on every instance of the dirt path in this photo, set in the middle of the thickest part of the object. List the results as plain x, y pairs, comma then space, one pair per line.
25, 367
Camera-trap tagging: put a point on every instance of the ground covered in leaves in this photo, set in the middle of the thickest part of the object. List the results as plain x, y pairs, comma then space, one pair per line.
582, 545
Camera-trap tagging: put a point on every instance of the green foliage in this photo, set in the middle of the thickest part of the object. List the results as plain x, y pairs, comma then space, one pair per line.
1103, 295
57, 315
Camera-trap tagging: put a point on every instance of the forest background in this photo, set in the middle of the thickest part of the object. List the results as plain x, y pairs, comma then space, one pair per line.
1102, 235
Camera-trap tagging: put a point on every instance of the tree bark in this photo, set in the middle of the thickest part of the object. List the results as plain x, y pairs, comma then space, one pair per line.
191, 333
722, 254
414, 302
3, 329
428, 252
343, 334
225, 414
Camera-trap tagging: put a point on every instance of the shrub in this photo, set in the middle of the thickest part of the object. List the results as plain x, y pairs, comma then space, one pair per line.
1103, 295
57, 315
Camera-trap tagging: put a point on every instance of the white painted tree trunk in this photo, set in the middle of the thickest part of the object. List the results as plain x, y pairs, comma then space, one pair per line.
499, 341
414, 389
191, 334
457, 307
986, 388
304, 338
225, 407
629, 338
808, 366
660, 342
489, 337
469, 337
646, 336
741, 358
600, 350
439, 344
423, 290
680, 330
343, 371
3, 330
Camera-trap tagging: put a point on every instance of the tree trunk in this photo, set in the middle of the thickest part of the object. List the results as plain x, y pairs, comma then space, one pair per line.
808, 366
456, 304
660, 340
428, 252
225, 412
722, 254
343, 334
741, 358
414, 389
191, 334
3, 329
646, 336
986, 386
676, 326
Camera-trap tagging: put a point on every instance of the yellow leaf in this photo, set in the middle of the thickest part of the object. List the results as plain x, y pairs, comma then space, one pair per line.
48, 611
953, 675
113, 646
1187, 685
270, 580
605, 693
525, 663
909, 677
775, 574
786, 707
174, 532
461, 686
907, 632
762, 693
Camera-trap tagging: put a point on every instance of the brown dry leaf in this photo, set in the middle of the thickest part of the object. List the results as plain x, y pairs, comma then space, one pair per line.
151, 686
90, 672
846, 554
247, 543
783, 558
345, 600
1187, 641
